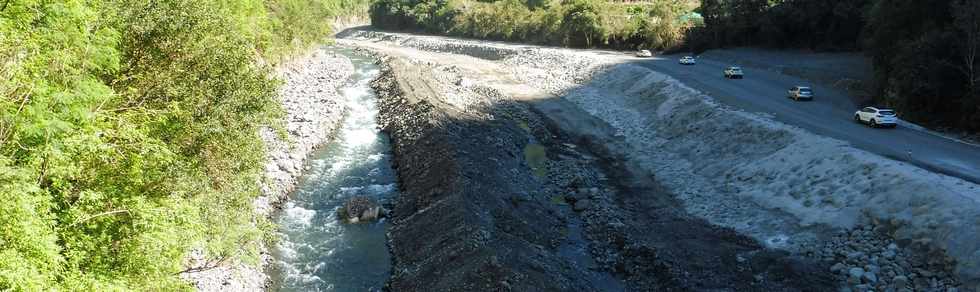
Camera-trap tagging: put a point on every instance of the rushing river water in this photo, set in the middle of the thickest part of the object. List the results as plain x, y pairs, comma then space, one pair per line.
318, 252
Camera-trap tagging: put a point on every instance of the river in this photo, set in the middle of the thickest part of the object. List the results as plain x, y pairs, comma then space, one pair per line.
317, 252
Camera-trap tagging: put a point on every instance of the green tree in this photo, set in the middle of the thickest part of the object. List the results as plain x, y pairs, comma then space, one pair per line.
128, 134
581, 25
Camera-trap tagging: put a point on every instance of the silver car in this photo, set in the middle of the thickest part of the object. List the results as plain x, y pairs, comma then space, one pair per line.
801, 93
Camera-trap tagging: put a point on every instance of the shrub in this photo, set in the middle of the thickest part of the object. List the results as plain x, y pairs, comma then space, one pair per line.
128, 134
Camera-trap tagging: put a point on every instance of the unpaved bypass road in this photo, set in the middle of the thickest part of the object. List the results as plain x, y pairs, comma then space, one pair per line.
830, 114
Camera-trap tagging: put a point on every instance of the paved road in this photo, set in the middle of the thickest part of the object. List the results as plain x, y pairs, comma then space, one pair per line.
830, 114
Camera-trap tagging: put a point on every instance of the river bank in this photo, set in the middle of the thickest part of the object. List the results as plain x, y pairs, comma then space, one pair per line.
313, 111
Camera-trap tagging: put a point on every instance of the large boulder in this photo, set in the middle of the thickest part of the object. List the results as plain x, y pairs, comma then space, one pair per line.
360, 209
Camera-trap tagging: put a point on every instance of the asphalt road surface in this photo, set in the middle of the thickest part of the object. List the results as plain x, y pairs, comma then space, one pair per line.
830, 114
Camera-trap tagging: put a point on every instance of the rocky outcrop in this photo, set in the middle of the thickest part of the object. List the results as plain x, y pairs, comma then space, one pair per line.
360, 210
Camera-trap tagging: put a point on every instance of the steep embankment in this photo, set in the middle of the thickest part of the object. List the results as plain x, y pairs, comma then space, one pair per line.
791, 189
717, 158
775, 181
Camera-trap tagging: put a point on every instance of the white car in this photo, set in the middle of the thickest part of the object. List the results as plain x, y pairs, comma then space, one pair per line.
644, 53
876, 117
688, 60
733, 72
801, 93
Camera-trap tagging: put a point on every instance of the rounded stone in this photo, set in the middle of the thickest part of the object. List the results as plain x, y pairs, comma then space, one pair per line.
855, 272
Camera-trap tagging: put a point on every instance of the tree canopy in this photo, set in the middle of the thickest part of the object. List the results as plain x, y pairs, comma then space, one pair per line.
129, 134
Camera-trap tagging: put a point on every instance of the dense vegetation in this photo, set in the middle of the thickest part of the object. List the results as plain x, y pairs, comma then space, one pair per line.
924, 52
656, 24
925, 55
128, 134
819, 25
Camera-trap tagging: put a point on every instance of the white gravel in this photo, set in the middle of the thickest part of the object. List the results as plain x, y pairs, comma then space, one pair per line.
313, 111
785, 186
773, 181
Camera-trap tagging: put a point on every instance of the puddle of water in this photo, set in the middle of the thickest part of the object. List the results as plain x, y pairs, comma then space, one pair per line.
537, 159
316, 251
575, 249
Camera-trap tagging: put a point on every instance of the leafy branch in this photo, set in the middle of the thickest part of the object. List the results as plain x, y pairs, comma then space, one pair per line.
211, 264
107, 213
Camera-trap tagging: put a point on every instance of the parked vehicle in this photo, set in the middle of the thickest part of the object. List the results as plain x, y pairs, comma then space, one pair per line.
733, 72
688, 60
801, 93
644, 53
876, 117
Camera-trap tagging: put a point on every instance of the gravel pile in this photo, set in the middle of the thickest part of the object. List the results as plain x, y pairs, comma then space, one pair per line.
867, 258
554, 70
313, 110
558, 69
478, 49
466, 219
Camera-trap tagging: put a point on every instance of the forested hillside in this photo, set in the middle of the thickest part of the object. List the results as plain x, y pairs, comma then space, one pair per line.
128, 134
820, 25
656, 24
924, 52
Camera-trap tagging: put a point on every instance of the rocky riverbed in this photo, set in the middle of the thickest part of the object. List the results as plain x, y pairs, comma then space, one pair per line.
743, 174
528, 168
313, 110
514, 194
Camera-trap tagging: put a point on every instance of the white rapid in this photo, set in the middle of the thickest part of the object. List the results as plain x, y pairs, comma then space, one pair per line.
316, 252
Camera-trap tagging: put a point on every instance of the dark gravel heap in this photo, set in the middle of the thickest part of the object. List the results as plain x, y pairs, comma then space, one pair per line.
469, 217
868, 258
